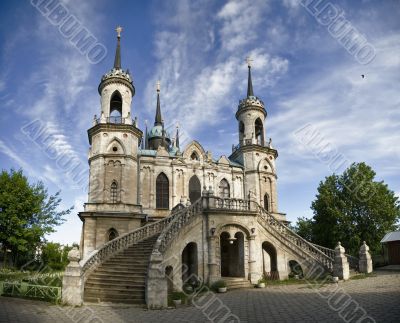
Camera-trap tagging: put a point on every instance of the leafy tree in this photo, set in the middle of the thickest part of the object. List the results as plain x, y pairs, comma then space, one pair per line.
55, 256
27, 214
351, 208
303, 228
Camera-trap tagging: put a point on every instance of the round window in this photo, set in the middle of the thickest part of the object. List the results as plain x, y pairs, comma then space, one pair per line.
115, 148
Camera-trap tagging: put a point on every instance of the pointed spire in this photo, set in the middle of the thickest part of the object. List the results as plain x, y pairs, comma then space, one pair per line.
146, 140
177, 137
158, 119
163, 135
117, 60
249, 81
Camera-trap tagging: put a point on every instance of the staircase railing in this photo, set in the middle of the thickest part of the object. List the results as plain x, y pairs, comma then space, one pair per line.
174, 226
294, 239
124, 241
353, 261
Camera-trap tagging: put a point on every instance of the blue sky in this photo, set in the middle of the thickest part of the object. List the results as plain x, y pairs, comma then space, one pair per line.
197, 49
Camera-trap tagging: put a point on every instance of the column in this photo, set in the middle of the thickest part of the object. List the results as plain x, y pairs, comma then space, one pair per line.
212, 261
254, 276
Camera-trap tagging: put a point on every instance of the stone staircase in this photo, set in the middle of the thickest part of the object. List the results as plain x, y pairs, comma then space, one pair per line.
121, 278
237, 283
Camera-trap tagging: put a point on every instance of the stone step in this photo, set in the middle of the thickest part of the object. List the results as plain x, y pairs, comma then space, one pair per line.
100, 292
119, 271
90, 285
117, 265
94, 299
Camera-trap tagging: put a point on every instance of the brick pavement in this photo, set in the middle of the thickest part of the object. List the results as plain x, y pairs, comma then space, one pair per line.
379, 296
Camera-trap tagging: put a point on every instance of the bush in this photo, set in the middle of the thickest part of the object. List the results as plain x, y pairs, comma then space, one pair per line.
218, 284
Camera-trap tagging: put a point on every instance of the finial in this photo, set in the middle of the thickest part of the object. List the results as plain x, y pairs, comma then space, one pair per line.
248, 61
158, 86
118, 30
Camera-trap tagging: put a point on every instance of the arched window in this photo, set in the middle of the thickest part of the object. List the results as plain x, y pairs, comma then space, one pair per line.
266, 202
194, 189
112, 234
162, 192
259, 132
116, 108
114, 192
224, 191
241, 132
194, 156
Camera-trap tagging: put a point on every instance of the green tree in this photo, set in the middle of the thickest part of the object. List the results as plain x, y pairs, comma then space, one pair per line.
55, 256
303, 228
27, 214
352, 208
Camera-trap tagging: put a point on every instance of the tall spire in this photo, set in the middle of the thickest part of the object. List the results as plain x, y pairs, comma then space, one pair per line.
249, 81
177, 137
158, 119
146, 140
117, 60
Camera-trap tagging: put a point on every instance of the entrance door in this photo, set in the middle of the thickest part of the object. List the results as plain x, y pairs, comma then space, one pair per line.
194, 189
232, 255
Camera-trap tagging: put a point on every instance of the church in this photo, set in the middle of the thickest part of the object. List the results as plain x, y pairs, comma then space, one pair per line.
160, 216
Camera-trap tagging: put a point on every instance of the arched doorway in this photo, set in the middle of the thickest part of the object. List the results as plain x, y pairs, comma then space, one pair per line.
270, 261
259, 132
232, 254
194, 189
189, 262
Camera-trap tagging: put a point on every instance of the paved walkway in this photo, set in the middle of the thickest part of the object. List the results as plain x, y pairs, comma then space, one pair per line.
377, 298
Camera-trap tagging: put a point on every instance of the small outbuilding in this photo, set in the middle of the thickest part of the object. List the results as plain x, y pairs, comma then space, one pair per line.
391, 248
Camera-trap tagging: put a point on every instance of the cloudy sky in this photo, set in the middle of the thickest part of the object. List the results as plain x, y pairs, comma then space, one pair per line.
308, 63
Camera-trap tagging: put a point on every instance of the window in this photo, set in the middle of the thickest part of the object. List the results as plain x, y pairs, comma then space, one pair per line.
112, 234
194, 189
224, 189
259, 132
162, 192
114, 192
266, 202
116, 108
194, 156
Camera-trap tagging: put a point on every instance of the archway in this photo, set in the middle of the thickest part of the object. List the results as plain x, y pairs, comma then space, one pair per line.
189, 262
116, 108
270, 261
194, 189
232, 255
295, 269
259, 132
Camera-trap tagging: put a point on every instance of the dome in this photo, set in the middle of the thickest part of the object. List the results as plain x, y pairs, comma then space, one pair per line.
156, 132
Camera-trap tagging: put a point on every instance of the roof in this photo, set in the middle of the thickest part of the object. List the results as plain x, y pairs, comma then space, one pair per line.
391, 236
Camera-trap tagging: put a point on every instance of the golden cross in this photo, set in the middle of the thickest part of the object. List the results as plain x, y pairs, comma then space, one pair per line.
158, 86
118, 30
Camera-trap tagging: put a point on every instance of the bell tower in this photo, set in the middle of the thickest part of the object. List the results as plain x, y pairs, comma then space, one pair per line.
254, 152
112, 208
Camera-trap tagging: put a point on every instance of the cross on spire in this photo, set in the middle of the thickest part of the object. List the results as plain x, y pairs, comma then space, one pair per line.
248, 61
118, 30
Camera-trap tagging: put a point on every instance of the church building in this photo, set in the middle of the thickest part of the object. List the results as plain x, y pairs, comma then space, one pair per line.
160, 216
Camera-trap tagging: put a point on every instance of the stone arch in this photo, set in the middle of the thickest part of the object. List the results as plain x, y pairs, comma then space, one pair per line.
162, 191
265, 166
116, 143
270, 260
115, 107
189, 262
224, 190
259, 131
112, 233
194, 146
295, 268
194, 189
